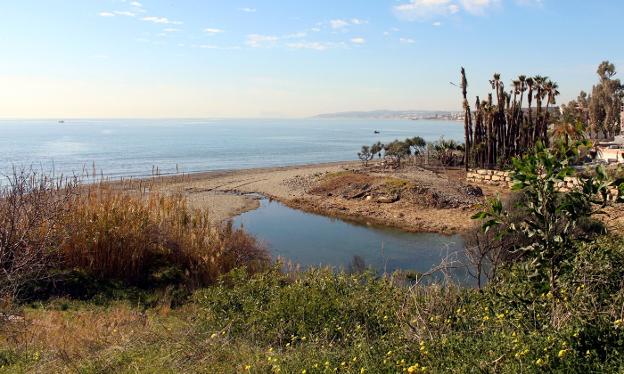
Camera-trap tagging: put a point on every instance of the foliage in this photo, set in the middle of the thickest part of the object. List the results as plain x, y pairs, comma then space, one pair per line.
320, 321
550, 216
606, 102
497, 131
447, 152
417, 145
47, 227
365, 155
377, 148
31, 212
116, 235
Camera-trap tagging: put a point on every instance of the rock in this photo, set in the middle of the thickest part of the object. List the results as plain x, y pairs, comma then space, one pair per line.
369, 198
388, 199
473, 191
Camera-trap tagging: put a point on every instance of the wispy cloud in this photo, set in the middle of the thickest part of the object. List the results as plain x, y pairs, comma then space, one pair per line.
213, 31
478, 7
338, 23
418, 10
258, 40
407, 41
171, 29
537, 3
357, 21
422, 10
247, 10
161, 20
125, 13
106, 14
317, 46
358, 40
437, 24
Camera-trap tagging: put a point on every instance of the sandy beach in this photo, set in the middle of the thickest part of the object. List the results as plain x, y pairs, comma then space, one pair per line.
229, 193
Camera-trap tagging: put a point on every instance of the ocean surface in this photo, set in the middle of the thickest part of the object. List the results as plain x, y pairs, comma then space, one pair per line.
123, 148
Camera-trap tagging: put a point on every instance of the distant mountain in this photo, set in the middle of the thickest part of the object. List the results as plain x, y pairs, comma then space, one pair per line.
397, 114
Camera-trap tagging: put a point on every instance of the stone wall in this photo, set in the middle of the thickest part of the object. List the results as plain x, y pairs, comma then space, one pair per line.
503, 179
491, 177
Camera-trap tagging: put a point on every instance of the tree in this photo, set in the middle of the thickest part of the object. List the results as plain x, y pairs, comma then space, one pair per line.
417, 145
500, 128
397, 150
377, 148
549, 216
448, 152
606, 102
365, 155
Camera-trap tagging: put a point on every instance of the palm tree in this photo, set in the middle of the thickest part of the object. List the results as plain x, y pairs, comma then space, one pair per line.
568, 130
551, 89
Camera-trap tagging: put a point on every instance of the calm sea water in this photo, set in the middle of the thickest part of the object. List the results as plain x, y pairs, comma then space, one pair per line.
134, 147
312, 240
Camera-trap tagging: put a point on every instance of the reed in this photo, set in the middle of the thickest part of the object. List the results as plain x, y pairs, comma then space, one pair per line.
123, 231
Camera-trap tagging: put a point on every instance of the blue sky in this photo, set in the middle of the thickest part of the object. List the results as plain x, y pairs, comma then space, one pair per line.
261, 58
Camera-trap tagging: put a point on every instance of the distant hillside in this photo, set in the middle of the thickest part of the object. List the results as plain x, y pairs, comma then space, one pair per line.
397, 114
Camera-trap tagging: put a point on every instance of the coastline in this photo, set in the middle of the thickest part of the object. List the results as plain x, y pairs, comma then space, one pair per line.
227, 194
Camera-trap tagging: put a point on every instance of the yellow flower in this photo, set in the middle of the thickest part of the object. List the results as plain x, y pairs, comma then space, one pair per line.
412, 369
213, 336
362, 370
562, 353
539, 362
247, 367
618, 323
304, 371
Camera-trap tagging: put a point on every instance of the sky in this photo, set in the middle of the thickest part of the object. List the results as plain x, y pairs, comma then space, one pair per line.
288, 58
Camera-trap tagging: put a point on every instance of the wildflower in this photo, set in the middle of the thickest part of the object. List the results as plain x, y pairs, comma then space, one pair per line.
213, 336
304, 371
539, 362
362, 370
562, 353
618, 323
247, 367
412, 369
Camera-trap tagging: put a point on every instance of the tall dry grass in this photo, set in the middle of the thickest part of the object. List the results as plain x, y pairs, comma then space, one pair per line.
112, 232
120, 235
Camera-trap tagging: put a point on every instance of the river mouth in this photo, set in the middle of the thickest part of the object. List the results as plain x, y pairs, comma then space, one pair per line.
309, 240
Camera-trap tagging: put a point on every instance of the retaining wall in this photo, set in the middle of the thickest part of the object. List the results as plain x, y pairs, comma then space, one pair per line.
503, 179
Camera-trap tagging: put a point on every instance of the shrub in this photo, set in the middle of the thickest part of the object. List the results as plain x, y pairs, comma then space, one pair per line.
117, 235
112, 234
32, 207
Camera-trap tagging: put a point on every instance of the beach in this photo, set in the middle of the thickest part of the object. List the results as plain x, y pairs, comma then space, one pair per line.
227, 194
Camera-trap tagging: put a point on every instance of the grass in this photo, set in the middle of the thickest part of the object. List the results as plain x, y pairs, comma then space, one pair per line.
146, 284
58, 237
319, 321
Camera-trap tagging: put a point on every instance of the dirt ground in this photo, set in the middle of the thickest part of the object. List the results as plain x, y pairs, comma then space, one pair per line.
413, 199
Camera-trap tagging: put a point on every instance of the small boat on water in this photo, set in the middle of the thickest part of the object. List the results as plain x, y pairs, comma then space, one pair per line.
61, 121
376, 132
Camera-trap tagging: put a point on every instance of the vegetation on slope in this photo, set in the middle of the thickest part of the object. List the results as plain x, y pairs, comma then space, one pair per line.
554, 304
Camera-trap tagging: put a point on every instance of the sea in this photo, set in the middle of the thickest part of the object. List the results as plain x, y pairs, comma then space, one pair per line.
119, 148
